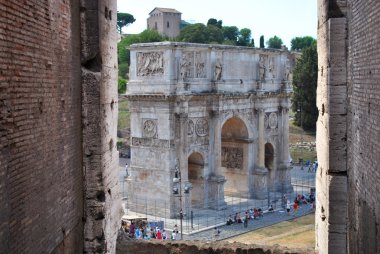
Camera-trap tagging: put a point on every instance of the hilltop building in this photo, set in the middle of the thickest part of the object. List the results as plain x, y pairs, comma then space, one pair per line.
166, 21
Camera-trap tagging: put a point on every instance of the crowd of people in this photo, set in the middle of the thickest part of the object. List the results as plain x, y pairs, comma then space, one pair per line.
251, 214
148, 233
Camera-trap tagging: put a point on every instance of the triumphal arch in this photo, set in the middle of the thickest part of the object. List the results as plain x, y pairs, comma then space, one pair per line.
216, 113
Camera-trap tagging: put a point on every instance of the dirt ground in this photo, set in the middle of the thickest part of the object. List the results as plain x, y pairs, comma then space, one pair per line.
297, 233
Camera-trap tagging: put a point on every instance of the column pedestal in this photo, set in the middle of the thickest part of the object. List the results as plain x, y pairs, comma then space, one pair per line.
216, 192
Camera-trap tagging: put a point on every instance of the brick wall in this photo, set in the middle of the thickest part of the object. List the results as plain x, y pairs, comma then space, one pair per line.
58, 112
348, 133
41, 182
364, 128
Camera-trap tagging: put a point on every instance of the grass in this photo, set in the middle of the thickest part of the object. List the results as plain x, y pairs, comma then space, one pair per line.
307, 151
297, 233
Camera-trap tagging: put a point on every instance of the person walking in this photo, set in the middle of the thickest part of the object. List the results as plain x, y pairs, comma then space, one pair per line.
288, 207
295, 207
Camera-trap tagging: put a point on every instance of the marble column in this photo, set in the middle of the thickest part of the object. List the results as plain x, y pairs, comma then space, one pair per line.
260, 183
260, 143
285, 169
216, 180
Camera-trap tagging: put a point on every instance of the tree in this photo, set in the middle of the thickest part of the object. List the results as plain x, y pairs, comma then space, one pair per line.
244, 37
305, 77
230, 33
214, 35
214, 22
262, 42
274, 42
196, 33
299, 43
124, 19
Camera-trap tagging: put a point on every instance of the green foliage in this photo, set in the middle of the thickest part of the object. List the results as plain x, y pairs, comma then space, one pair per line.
244, 37
274, 42
252, 43
215, 35
305, 77
183, 24
124, 19
123, 70
214, 22
230, 33
262, 42
299, 43
193, 33
121, 85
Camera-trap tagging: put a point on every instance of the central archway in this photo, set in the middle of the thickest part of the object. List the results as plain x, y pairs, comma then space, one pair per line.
234, 156
196, 178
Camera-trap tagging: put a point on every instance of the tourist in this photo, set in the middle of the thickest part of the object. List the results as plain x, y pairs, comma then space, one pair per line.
229, 221
255, 213
238, 219
288, 207
175, 229
295, 207
246, 221
173, 235
158, 235
251, 213
164, 236
216, 233
137, 233
132, 230
260, 212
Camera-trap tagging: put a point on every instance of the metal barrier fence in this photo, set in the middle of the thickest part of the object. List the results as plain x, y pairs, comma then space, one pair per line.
197, 219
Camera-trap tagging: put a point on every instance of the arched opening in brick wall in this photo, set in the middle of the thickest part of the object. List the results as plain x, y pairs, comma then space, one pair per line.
196, 178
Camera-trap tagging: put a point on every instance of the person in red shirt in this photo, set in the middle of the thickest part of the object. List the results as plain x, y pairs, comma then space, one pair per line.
158, 234
295, 207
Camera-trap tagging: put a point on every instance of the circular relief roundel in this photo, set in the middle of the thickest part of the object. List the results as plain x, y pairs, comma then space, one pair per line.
201, 128
149, 128
273, 120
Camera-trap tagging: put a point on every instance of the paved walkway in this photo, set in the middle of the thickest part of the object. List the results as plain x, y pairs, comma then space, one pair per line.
237, 229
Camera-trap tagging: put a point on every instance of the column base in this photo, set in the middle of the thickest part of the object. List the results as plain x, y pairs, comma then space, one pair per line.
260, 184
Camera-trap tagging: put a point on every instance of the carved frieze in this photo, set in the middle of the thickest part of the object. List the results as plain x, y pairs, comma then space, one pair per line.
150, 64
201, 127
232, 157
218, 71
152, 142
185, 66
271, 68
272, 120
200, 65
262, 67
190, 128
288, 71
150, 128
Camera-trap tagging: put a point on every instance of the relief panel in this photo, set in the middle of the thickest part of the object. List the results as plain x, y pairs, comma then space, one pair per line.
150, 64
232, 157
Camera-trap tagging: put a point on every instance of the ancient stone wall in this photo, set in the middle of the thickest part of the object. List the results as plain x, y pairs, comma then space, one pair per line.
53, 136
127, 246
348, 211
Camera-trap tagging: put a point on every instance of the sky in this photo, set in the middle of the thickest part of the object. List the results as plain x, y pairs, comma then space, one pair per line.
284, 18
